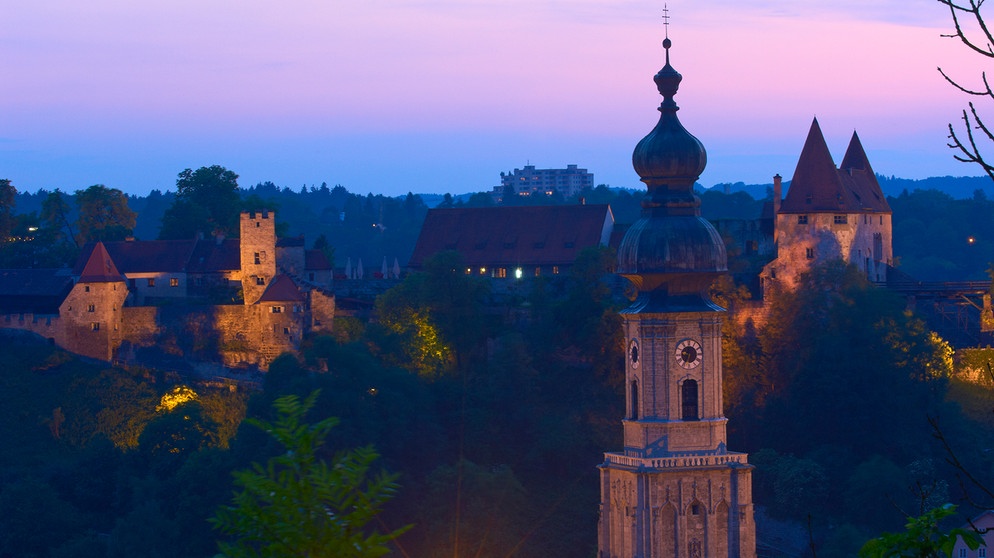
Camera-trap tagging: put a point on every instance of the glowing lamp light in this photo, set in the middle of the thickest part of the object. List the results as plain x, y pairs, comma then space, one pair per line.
970, 240
518, 273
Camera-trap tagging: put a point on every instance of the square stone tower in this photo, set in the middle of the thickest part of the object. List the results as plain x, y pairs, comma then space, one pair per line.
258, 253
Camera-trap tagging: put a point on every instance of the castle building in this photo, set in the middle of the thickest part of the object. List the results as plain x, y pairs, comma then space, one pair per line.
830, 213
530, 181
675, 490
125, 297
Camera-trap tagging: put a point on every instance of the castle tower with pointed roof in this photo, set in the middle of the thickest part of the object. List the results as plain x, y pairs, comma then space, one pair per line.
830, 213
675, 489
92, 311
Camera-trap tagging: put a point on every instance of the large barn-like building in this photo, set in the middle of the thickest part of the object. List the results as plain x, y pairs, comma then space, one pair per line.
509, 242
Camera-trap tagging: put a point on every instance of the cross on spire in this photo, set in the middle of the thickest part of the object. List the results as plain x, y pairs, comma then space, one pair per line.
666, 20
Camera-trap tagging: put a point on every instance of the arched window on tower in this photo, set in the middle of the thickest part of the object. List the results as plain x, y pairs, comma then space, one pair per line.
635, 400
688, 394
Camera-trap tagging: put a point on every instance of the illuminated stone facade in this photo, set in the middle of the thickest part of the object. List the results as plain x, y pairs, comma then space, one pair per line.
105, 316
674, 490
828, 214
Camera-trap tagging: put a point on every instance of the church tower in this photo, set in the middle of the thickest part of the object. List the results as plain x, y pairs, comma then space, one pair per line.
675, 490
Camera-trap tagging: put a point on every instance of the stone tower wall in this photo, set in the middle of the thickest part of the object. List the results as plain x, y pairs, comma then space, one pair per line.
258, 253
322, 305
91, 318
865, 240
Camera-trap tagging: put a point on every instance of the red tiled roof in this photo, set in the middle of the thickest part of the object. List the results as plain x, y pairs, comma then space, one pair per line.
819, 187
210, 256
168, 256
527, 236
281, 289
100, 267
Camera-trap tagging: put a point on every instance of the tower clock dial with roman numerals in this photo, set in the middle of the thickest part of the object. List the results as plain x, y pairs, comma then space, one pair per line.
688, 353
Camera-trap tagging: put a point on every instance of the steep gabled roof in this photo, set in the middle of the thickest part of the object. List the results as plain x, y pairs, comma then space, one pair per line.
819, 187
856, 172
281, 289
100, 267
816, 185
510, 236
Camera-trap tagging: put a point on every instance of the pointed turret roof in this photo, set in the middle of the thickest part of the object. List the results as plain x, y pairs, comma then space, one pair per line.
855, 169
819, 187
100, 267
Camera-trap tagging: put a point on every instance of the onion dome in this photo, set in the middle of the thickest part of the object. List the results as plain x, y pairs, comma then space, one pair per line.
671, 249
669, 156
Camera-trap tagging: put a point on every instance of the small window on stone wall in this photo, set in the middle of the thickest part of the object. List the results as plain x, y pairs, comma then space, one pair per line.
256, 257
95, 326
91, 308
86, 289
276, 309
802, 219
809, 253
260, 280
840, 219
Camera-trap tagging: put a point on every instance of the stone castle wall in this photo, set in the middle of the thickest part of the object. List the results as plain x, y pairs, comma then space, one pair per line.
864, 240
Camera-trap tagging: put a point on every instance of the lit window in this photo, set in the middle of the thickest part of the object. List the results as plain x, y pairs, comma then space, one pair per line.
555, 270
483, 271
95, 326
538, 271
469, 271
173, 282
802, 219
518, 273
840, 219
500, 272
151, 282
91, 308
809, 253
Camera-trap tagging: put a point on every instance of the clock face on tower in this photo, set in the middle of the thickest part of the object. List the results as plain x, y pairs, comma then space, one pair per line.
633, 353
688, 353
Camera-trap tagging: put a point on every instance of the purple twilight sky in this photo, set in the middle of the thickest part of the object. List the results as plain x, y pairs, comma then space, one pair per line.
391, 96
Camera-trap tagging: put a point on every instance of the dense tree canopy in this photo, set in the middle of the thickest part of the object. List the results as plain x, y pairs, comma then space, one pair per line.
103, 214
207, 202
